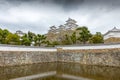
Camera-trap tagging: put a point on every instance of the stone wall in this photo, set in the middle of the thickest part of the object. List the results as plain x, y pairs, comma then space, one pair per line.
9, 58
92, 56
104, 57
112, 40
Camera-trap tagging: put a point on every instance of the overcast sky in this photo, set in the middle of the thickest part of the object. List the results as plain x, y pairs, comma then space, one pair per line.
38, 15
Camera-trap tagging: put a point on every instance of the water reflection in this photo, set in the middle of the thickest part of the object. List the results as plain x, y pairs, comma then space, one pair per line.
91, 72
59, 71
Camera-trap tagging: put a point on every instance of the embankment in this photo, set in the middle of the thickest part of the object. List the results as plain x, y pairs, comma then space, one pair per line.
104, 55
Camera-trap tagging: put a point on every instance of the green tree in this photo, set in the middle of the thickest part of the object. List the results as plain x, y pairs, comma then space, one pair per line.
73, 38
84, 34
3, 34
28, 38
31, 36
97, 38
67, 40
40, 39
12, 39
25, 40
54, 43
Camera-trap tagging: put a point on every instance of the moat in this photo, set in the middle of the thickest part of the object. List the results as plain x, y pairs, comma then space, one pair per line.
59, 71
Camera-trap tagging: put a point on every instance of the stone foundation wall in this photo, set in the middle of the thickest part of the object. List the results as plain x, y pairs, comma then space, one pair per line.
104, 57
10, 58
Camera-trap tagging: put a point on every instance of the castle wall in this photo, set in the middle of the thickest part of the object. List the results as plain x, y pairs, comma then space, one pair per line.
104, 55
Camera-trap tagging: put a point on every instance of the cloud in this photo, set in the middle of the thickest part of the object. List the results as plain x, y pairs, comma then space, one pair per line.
39, 15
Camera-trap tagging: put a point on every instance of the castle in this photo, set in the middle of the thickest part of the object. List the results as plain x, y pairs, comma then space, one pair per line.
112, 36
58, 33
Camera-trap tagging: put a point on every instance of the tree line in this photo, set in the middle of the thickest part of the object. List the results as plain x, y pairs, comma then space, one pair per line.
67, 34
84, 36
6, 37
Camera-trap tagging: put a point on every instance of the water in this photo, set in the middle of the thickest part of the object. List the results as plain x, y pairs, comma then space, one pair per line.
59, 71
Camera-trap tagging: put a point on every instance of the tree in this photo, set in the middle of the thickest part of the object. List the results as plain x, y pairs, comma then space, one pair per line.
12, 39
3, 34
28, 38
84, 34
73, 38
67, 40
39, 39
97, 38
31, 36
54, 43
25, 40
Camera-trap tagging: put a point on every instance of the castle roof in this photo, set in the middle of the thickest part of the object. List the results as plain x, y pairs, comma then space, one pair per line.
71, 20
113, 30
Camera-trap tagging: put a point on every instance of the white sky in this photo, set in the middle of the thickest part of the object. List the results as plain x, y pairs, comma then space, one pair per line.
38, 15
